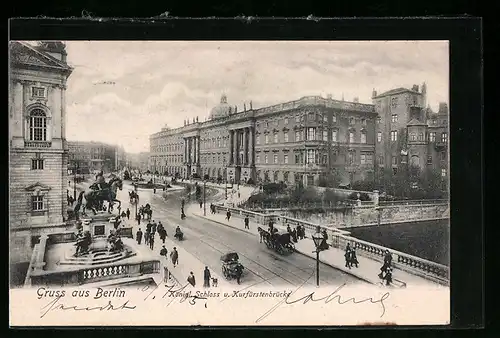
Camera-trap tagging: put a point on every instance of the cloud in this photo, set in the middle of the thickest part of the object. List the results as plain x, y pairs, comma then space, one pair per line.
165, 82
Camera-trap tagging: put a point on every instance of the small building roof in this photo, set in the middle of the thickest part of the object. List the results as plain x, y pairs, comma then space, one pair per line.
395, 91
415, 122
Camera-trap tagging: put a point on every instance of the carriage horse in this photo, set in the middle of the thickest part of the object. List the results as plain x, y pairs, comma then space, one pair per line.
281, 243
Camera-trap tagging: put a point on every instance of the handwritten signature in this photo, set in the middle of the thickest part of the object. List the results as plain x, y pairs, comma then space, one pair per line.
174, 292
56, 304
334, 296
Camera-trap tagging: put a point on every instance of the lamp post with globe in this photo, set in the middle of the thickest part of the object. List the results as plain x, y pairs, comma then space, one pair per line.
318, 239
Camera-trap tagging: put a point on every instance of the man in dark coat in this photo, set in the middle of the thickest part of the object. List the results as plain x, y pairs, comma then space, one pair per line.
163, 251
353, 259
138, 236
247, 222
191, 279
152, 241
146, 237
387, 263
174, 256
163, 234
128, 213
206, 277
347, 256
153, 226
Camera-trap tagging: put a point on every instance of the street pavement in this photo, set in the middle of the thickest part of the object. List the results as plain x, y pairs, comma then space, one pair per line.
207, 241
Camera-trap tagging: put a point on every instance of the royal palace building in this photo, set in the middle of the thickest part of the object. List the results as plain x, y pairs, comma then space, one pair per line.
297, 141
409, 133
38, 152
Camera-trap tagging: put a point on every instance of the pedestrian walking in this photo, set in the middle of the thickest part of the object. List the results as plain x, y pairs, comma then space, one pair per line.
152, 241
153, 226
206, 277
247, 222
163, 234
386, 265
288, 229
138, 236
388, 276
191, 279
228, 215
201, 204
123, 214
146, 237
174, 256
347, 256
138, 219
128, 213
353, 259
164, 251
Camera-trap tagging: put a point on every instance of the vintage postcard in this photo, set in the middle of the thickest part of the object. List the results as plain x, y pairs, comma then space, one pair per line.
259, 183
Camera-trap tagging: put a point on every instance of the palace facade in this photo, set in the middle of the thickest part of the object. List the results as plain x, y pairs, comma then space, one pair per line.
297, 141
409, 133
38, 152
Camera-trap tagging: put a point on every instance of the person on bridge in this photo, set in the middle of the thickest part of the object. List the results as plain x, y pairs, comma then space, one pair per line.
353, 259
128, 213
247, 222
347, 256
174, 256
152, 241
206, 277
201, 204
387, 264
228, 215
162, 232
138, 236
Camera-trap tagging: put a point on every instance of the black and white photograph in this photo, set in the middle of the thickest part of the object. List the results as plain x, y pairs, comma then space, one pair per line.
229, 182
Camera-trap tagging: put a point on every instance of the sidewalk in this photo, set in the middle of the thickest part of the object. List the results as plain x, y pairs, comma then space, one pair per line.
368, 269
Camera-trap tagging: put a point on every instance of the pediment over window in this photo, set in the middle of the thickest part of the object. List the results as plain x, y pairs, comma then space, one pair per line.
37, 187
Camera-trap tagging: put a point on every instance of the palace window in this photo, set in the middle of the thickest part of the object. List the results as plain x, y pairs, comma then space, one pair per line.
311, 156
444, 137
266, 159
286, 120
394, 136
277, 122
285, 136
351, 136
325, 118
285, 176
379, 136
363, 159
443, 156
351, 157
297, 136
311, 117
311, 133
257, 159
443, 172
413, 137
394, 160
297, 158
334, 135
432, 137
267, 124
363, 136
394, 102
352, 120
38, 125
267, 139
37, 203
38, 92
285, 159
363, 122
325, 159
297, 118
37, 164
257, 139
275, 159
334, 118
381, 160
394, 118
421, 136
429, 159
276, 138
325, 135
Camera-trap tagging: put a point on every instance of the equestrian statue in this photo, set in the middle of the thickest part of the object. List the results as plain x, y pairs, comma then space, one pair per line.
101, 191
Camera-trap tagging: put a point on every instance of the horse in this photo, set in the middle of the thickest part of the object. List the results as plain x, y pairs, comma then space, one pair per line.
94, 198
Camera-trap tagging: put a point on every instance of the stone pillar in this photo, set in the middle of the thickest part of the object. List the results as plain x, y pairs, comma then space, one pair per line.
375, 198
252, 148
197, 149
235, 147
245, 146
231, 147
185, 150
194, 149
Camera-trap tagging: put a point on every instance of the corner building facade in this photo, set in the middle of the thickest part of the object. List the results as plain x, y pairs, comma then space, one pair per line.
38, 152
297, 141
409, 133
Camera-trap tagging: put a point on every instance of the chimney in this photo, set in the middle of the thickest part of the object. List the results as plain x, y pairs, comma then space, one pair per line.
356, 99
415, 88
374, 92
235, 109
244, 106
251, 105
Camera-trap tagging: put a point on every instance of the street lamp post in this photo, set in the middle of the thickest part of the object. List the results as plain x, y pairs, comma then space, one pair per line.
204, 197
318, 239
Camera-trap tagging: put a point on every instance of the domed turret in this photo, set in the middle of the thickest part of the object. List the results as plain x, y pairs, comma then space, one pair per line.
223, 109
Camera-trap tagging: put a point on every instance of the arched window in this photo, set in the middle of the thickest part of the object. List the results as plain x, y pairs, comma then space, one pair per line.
38, 125
413, 137
415, 160
351, 136
363, 136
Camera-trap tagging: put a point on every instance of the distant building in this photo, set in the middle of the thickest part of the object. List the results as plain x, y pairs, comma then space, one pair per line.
38, 149
89, 157
408, 132
297, 141
137, 161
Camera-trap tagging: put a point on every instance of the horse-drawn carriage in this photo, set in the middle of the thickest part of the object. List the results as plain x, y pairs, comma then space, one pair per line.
281, 243
231, 267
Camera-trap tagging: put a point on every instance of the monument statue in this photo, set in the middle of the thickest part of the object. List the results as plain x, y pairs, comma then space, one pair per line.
83, 241
102, 191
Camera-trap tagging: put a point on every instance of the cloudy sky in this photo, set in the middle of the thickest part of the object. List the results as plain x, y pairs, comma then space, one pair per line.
121, 92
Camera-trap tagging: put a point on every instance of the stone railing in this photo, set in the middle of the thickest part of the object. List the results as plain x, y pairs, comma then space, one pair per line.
37, 144
252, 215
413, 202
421, 267
93, 274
